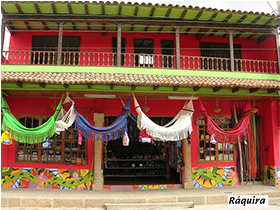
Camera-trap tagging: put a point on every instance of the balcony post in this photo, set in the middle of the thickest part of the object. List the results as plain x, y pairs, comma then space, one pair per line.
59, 44
277, 50
119, 45
177, 48
231, 50
2, 36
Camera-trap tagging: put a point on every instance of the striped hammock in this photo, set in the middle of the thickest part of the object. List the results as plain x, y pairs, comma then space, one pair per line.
115, 131
236, 133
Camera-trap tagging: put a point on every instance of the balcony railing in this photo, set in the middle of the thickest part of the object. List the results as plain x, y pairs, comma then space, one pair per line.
137, 60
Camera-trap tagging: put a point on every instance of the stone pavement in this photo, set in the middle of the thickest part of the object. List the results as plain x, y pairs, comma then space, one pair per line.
202, 198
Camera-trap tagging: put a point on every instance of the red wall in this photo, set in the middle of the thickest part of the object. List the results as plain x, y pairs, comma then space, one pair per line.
95, 42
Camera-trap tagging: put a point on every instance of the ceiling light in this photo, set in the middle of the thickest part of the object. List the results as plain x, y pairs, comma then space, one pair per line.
99, 96
182, 98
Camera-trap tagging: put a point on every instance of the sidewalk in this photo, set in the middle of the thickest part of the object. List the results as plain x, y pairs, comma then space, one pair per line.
214, 198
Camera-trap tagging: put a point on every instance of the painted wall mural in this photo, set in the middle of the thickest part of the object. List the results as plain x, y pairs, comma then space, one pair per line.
214, 176
38, 178
142, 187
272, 175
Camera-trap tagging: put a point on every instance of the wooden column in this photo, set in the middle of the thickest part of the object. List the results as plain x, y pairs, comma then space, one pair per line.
119, 45
59, 44
177, 48
187, 181
2, 36
231, 50
97, 181
277, 50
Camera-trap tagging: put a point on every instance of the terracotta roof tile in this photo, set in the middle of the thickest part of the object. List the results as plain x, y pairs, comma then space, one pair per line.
135, 79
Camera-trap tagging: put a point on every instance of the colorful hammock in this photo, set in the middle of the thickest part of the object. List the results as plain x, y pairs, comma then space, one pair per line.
115, 131
23, 134
177, 129
237, 132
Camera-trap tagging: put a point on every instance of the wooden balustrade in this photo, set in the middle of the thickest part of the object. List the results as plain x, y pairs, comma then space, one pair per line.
137, 60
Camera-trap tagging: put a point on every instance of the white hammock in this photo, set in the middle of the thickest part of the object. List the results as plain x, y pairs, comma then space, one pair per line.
176, 129
65, 119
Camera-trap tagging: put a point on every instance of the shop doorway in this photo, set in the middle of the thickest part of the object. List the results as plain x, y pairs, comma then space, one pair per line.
142, 161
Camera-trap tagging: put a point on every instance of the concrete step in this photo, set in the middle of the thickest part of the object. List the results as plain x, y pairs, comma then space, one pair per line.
274, 201
149, 206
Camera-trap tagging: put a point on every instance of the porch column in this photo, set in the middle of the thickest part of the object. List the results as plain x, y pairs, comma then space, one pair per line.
187, 181
119, 45
59, 44
277, 50
177, 48
2, 36
231, 50
97, 181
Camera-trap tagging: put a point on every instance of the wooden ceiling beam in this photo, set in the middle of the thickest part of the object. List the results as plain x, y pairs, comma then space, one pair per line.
156, 87
18, 8
10, 27
74, 26
2, 10
187, 31
234, 90
251, 36
103, 25
112, 86
120, 10
239, 34
213, 33
200, 34
217, 89
198, 16
213, 16
65, 86
262, 38
133, 87
69, 8
256, 20
19, 84
175, 88
183, 14
253, 90
89, 86
42, 84
135, 14
196, 88
151, 15
53, 8
242, 19
86, 9
269, 91
227, 18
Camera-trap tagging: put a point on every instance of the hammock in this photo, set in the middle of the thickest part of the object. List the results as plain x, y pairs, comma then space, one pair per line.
23, 134
65, 119
238, 131
115, 131
176, 129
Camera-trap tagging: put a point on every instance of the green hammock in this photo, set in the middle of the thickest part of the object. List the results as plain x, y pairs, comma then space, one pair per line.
23, 134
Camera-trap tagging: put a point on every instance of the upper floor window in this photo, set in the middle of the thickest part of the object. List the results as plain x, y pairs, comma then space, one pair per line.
145, 49
219, 152
64, 147
46, 48
221, 54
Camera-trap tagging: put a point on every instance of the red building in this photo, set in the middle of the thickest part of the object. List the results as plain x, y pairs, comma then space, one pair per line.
165, 55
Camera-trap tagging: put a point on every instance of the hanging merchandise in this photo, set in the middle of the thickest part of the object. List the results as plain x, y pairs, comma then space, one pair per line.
237, 132
80, 137
176, 129
112, 132
6, 139
22, 134
46, 144
125, 139
145, 138
65, 119
213, 139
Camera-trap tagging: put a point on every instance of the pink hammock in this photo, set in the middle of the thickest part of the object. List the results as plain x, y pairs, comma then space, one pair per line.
237, 132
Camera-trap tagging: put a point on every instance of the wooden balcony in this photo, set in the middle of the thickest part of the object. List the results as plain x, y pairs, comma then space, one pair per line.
137, 61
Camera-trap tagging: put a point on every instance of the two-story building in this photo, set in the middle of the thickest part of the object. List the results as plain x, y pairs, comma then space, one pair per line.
165, 55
